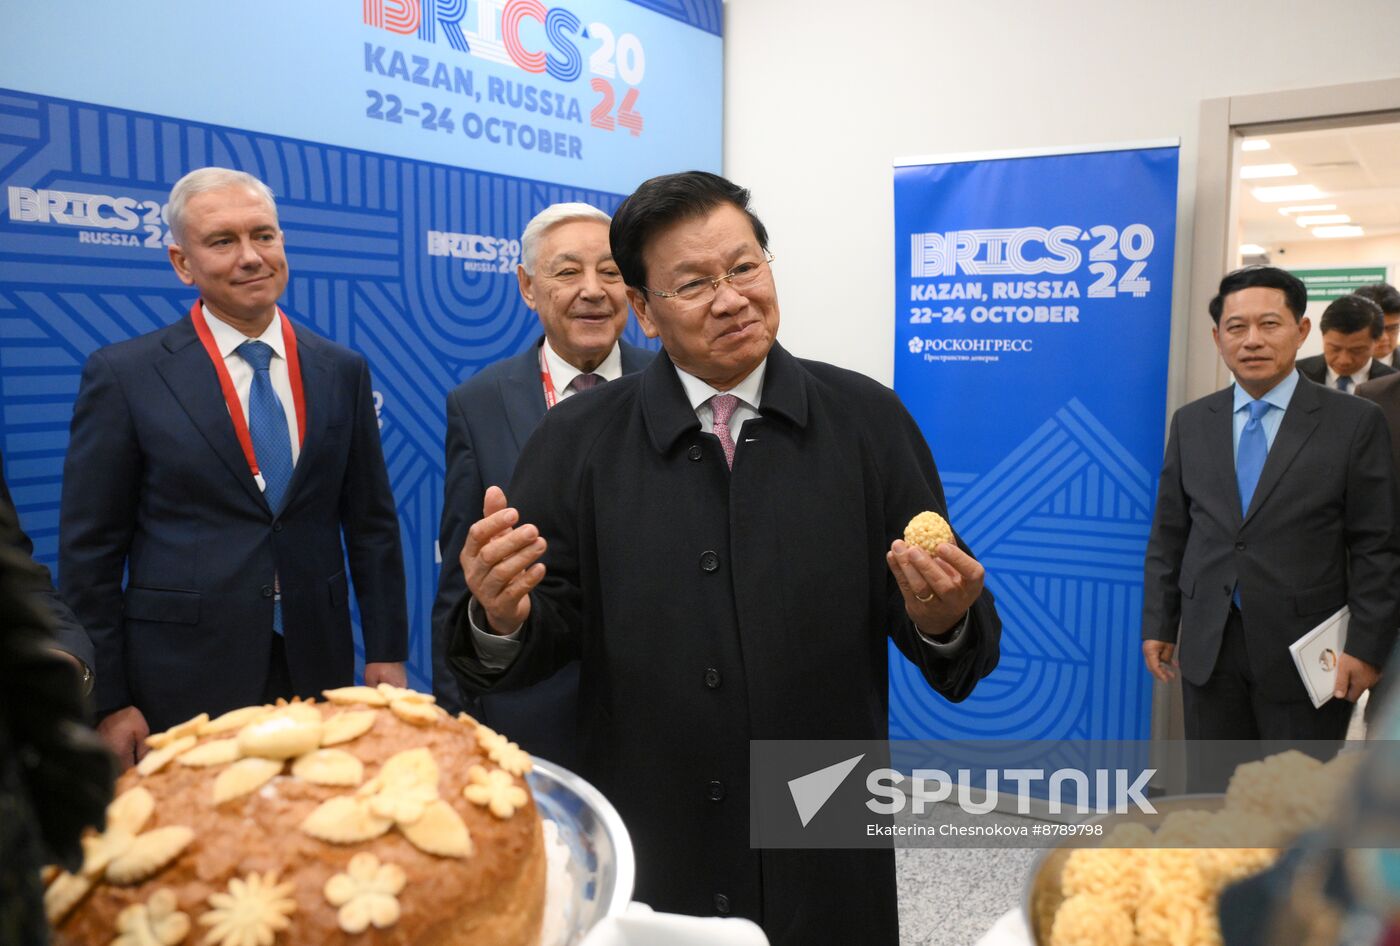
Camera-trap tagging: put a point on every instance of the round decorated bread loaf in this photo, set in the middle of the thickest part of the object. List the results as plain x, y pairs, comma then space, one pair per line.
369, 817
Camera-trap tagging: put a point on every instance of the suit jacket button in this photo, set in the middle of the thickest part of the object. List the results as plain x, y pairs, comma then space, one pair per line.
277, 526
709, 561
721, 904
267, 591
715, 791
694, 452
1239, 546
712, 678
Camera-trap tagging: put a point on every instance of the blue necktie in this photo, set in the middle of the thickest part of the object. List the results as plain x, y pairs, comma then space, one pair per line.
1249, 462
1344, 383
272, 442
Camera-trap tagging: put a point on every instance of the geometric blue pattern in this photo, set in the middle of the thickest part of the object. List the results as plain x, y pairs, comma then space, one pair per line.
361, 274
1061, 525
707, 15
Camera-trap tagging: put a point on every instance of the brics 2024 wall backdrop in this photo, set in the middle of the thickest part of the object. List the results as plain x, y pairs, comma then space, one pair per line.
408, 142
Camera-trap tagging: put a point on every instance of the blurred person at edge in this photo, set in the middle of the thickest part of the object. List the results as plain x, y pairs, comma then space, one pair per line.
56, 775
1388, 298
712, 539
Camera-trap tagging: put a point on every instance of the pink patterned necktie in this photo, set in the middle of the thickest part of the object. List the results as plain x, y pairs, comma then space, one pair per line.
585, 381
723, 405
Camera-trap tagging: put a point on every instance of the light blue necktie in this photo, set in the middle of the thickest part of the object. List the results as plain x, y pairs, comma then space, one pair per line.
272, 441
1344, 383
1249, 462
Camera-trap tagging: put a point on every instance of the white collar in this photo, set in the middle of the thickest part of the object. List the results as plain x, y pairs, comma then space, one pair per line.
749, 390
563, 373
1356, 378
228, 338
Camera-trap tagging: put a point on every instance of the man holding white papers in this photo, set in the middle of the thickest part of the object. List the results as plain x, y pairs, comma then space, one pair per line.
1277, 505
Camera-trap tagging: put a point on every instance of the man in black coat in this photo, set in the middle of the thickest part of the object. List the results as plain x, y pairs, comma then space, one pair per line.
568, 277
716, 539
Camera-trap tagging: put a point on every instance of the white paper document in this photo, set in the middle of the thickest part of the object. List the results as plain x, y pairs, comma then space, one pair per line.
1316, 653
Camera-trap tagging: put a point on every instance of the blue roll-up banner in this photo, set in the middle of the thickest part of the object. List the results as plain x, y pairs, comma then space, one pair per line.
1032, 324
408, 143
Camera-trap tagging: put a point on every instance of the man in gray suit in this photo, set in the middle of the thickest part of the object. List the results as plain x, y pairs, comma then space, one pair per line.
567, 275
1277, 505
1352, 326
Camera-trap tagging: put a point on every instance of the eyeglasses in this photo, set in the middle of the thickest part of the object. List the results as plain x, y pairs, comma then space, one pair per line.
745, 275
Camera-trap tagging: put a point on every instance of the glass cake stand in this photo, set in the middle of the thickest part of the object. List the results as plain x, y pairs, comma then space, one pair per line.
596, 877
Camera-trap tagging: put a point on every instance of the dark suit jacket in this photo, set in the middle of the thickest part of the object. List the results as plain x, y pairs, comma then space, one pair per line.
1386, 392
155, 483
489, 418
1321, 532
1314, 368
709, 608
68, 634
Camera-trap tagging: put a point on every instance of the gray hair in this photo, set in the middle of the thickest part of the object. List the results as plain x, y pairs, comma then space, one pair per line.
209, 179
551, 216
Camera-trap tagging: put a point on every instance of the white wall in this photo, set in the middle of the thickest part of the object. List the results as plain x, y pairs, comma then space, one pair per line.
821, 95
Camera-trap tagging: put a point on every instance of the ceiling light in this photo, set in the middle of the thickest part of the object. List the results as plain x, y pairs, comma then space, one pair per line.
1332, 233
1255, 144
1253, 172
1312, 220
1252, 249
1306, 209
1277, 195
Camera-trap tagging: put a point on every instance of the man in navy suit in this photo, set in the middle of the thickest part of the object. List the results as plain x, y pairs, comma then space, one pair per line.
567, 275
218, 462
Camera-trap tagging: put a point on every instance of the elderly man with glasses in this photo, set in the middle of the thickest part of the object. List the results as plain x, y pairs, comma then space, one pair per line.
716, 538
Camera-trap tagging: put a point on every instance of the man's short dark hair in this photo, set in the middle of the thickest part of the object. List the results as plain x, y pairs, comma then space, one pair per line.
1351, 314
1382, 294
662, 201
1295, 294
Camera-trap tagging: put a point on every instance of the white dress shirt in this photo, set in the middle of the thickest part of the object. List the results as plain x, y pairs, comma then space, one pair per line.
562, 373
497, 651
1361, 376
227, 339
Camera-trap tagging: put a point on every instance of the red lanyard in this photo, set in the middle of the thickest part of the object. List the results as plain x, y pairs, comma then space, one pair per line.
235, 407
546, 379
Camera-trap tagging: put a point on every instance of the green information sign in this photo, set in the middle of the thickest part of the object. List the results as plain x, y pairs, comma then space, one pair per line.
1325, 285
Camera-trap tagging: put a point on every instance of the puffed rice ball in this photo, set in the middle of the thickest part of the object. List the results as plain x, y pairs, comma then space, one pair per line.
1087, 920
1264, 787
928, 530
1169, 919
1112, 874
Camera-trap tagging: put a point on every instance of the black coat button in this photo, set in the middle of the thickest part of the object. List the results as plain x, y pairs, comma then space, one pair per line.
712, 678
267, 591
721, 904
695, 452
1228, 591
715, 791
709, 561
277, 526
1239, 546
